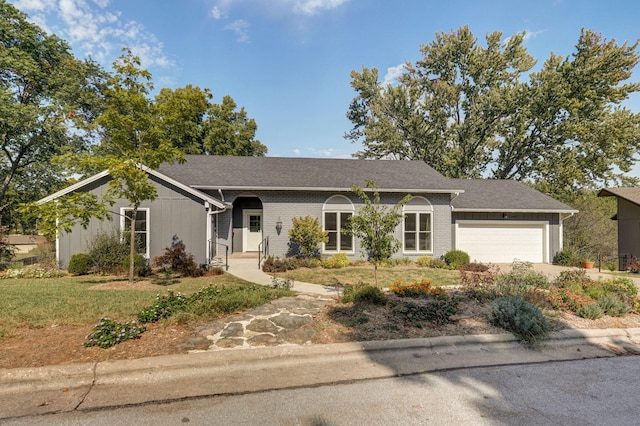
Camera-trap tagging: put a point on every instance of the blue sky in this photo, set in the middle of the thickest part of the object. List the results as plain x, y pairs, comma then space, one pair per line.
288, 61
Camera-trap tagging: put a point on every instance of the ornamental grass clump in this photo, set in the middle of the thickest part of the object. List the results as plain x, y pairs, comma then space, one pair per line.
521, 318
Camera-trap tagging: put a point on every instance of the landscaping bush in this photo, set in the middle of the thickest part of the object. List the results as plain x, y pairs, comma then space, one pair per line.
418, 289
80, 264
590, 311
33, 271
107, 251
395, 261
456, 258
476, 276
567, 257
424, 261
337, 261
613, 306
164, 306
140, 266
439, 264
273, 264
363, 294
178, 260
522, 279
306, 235
519, 317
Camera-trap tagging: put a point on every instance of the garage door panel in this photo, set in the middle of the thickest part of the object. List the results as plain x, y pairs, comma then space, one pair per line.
501, 243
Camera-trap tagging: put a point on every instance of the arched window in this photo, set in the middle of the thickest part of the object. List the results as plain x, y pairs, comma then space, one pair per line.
336, 212
417, 234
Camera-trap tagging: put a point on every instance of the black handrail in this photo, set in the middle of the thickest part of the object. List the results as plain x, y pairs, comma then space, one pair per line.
226, 253
263, 247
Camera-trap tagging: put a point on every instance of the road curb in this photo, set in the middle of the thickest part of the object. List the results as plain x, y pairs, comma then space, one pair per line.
90, 386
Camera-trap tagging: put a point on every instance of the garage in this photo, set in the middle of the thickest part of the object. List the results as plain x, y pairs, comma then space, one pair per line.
501, 242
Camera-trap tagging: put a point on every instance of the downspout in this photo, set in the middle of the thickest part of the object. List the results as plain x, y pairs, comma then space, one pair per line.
210, 213
455, 224
561, 230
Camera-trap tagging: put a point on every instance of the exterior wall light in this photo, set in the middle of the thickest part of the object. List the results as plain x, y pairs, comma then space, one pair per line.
279, 226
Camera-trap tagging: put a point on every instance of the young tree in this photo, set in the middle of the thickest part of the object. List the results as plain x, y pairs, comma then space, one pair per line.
469, 110
133, 139
307, 234
48, 99
374, 224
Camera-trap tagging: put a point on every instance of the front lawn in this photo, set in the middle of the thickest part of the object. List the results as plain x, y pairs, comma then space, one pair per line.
47, 302
364, 274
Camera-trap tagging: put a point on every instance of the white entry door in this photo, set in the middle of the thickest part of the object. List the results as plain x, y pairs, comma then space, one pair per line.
252, 231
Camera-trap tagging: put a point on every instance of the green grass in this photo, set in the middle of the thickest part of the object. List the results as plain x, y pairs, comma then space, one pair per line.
44, 302
364, 274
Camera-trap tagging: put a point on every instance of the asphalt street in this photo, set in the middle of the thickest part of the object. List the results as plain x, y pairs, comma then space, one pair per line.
599, 391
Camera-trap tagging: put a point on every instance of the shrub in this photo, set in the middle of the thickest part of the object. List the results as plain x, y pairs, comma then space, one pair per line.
363, 294
613, 306
108, 333
424, 261
80, 264
395, 261
478, 276
140, 265
567, 257
107, 251
590, 311
621, 286
418, 289
178, 260
456, 258
307, 234
519, 317
522, 279
439, 264
337, 261
273, 264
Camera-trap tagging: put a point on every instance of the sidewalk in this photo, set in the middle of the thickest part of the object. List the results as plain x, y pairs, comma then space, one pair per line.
247, 269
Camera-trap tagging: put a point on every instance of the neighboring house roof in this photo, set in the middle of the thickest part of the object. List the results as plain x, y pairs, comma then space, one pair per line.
491, 195
630, 194
293, 173
199, 194
19, 239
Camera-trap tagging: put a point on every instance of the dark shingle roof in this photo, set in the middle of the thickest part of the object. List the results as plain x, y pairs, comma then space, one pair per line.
629, 194
503, 195
226, 172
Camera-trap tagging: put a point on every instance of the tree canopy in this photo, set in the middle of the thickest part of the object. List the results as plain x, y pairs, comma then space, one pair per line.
471, 110
48, 99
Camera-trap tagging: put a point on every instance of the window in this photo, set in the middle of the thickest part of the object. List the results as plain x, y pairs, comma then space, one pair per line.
141, 229
337, 211
417, 232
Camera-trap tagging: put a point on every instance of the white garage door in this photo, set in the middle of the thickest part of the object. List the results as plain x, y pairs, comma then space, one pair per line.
501, 243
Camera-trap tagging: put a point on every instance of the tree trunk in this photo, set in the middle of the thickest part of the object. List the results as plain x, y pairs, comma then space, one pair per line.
375, 272
132, 244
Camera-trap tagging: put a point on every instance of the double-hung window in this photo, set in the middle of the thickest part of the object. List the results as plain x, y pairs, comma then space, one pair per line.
141, 228
337, 212
417, 226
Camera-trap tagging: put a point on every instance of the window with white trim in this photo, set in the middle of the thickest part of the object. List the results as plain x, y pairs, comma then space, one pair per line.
417, 226
141, 228
336, 212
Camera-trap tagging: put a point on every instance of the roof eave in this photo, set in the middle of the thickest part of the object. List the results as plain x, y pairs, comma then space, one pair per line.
323, 189
73, 187
512, 210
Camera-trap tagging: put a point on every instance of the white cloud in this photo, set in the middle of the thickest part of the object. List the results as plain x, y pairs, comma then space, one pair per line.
94, 30
311, 7
296, 152
328, 153
241, 28
392, 74
528, 35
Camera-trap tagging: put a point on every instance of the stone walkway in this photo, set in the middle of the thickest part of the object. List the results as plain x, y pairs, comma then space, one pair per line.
284, 321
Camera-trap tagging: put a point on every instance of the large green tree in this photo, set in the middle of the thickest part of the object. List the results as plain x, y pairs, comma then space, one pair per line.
198, 126
48, 99
471, 110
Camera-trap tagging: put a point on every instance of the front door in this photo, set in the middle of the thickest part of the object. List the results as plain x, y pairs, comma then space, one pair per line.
252, 231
